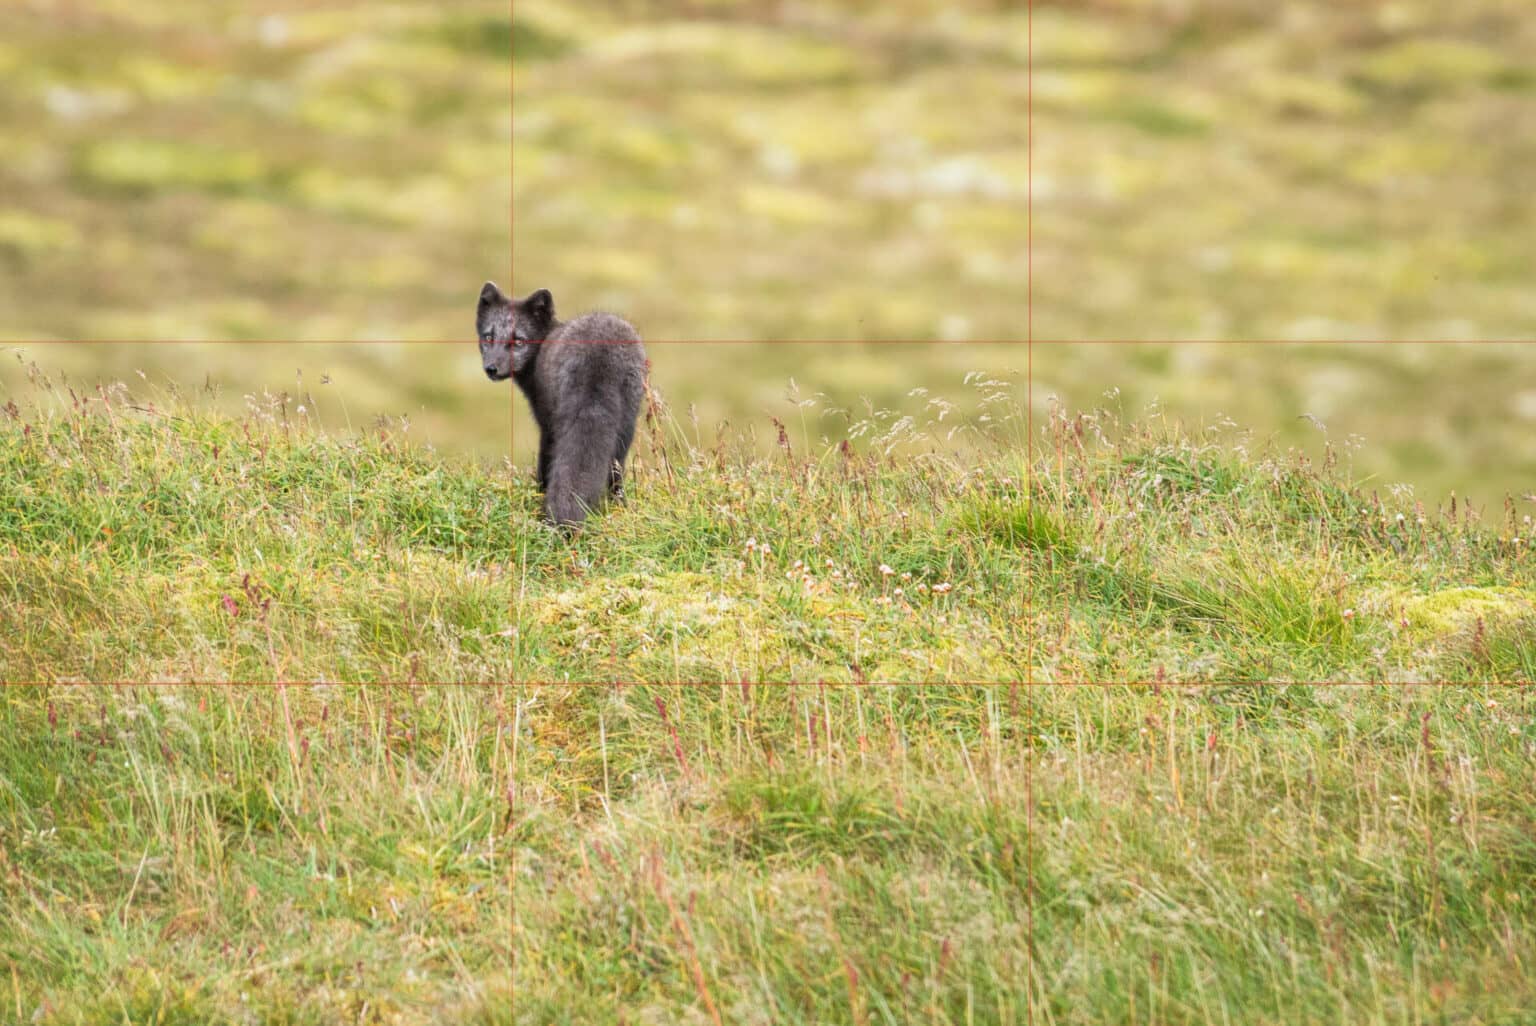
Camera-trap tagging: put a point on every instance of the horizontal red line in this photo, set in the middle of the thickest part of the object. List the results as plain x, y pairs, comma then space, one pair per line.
1286, 342
470, 342
247, 684
804, 341
1028, 684
794, 684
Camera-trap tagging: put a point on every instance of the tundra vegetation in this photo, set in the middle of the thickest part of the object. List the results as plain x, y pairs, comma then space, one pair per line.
1010, 854
149, 538
226, 855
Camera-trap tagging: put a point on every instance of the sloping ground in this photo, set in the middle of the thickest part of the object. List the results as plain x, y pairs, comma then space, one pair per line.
893, 558
1010, 855
151, 542
148, 543
220, 856
1155, 555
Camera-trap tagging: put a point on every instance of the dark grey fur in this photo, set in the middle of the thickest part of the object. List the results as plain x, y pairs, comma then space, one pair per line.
584, 379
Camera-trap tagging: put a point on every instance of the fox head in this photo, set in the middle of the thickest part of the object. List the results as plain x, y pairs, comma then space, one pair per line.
510, 329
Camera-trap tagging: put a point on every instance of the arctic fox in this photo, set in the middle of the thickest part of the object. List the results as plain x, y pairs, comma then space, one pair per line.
584, 379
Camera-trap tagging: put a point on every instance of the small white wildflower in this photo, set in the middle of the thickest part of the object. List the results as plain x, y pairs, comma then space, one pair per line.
940, 589
885, 571
898, 593
1349, 614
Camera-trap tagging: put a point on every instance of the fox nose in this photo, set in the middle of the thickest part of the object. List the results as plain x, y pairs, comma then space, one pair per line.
490, 372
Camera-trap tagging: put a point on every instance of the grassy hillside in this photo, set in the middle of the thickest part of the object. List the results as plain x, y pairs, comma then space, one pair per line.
151, 539
1436, 418
1139, 552
146, 538
891, 557
1279, 856
1156, 553
221, 856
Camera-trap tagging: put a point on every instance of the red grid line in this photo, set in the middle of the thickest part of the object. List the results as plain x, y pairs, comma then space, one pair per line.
512, 640
466, 340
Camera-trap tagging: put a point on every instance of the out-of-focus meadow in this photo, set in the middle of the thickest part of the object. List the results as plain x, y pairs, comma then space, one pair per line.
747, 170
786, 173
221, 169
1284, 169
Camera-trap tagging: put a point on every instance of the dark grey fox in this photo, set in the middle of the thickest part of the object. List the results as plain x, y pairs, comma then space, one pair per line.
584, 379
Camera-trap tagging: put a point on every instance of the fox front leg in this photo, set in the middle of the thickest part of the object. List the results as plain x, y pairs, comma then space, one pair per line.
545, 449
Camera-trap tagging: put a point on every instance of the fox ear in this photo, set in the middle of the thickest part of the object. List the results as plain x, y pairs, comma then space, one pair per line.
490, 294
540, 305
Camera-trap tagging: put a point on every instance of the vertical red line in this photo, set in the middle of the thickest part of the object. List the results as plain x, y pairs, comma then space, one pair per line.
511, 262
511, 597
512, 119
1029, 440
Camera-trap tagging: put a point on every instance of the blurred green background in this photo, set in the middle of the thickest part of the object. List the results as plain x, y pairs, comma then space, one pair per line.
251, 169
1435, 416
1275, 169
758, 170
794, 176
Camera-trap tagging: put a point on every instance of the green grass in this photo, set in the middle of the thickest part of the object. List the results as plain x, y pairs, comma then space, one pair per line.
890, 558
1156, 553
213, 855
1436, 419
151, 539
1267, 855
846, 852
